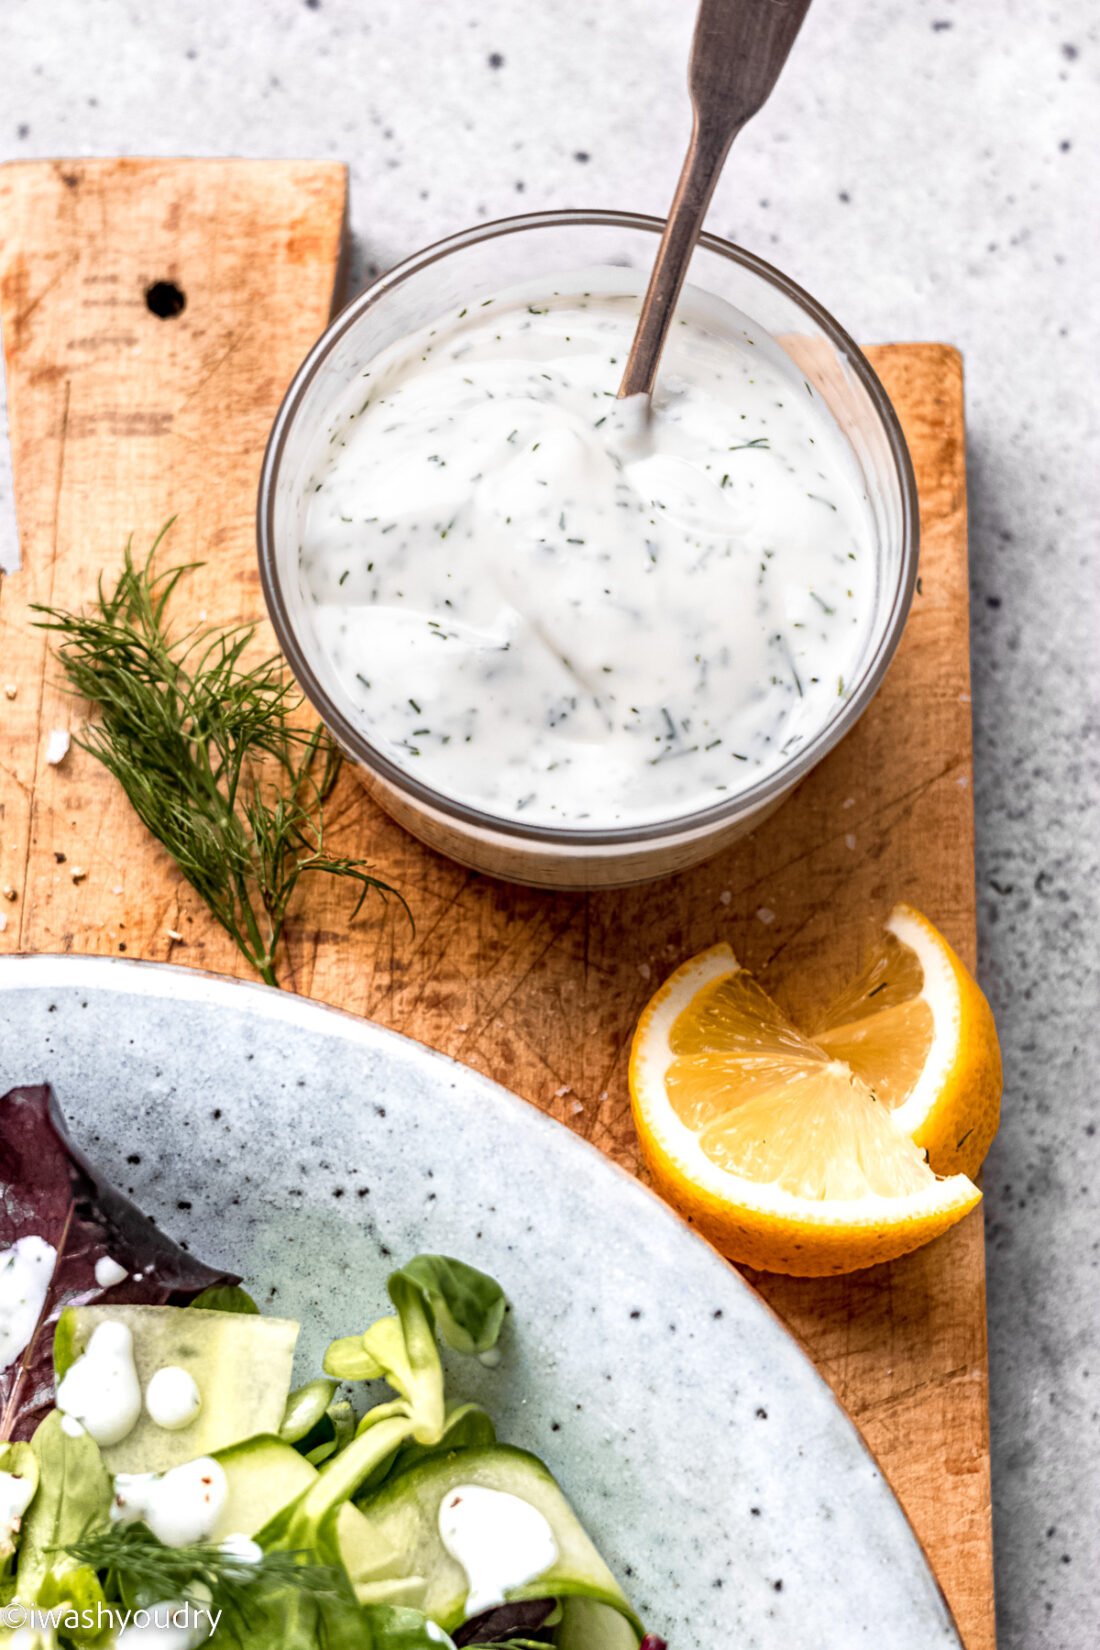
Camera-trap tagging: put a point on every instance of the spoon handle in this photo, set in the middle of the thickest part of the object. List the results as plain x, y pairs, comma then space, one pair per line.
737, 51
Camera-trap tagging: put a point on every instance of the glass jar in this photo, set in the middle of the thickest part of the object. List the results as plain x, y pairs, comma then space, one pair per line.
486, 260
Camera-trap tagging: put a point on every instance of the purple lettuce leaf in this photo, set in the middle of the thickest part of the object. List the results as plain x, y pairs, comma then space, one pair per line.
50, 1190
504, 1622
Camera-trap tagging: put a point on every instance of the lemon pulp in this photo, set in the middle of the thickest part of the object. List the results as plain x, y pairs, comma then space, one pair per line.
774, 1106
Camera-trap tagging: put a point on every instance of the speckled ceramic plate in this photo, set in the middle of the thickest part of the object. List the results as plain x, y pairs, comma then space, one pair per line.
309, 1150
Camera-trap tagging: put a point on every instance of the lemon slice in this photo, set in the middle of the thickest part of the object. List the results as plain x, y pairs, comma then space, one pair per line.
776, 1146
916, 1028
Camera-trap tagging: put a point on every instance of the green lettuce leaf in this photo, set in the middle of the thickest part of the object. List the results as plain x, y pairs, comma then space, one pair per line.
73, 1497
226, 1297
306, 1407
468, 1306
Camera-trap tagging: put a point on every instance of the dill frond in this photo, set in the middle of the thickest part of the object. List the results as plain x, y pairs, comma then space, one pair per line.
206, 747
136, 1563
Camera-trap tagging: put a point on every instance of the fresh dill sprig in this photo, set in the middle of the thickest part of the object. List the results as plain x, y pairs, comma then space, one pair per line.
207, 750
135, 1562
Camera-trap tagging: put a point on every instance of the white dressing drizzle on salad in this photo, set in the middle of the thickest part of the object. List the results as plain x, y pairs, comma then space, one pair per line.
16, 1493
108, 1272
172, 1398
180, 1506
101, 1389
547, 605
500, 1540
175, 1625
25, 1273
242, 1547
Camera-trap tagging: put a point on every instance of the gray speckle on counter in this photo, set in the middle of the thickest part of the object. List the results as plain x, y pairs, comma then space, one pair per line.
925, 170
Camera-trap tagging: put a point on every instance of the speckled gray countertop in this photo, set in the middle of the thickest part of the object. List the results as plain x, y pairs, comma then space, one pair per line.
924, 170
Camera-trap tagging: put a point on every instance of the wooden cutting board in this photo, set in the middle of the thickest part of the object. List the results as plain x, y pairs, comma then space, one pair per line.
121, 417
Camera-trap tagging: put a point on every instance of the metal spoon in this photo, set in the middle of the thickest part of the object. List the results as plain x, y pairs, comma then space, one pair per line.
737, 52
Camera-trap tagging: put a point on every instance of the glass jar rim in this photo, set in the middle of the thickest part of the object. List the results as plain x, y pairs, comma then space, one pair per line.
754, 798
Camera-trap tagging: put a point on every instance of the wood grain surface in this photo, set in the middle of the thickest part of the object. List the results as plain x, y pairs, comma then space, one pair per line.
120, 419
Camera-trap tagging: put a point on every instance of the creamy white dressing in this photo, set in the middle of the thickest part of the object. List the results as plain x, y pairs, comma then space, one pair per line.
172, 1398
16, 1495
101, 1389
500, 1540
242, 1547
26, 1270
180, 1506
108, 1272
549, 606
173, 1624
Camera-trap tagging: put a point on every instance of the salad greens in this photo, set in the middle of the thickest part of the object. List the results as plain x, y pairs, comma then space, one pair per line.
227, 1297
73, 1494
333, 1515
52, 1191
138, 1565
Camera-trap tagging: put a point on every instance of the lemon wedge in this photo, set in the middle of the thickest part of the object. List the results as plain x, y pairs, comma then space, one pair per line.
810, 1155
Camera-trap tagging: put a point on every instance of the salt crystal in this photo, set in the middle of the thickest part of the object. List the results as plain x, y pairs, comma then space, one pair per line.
78, 873
10, 690
725, 897
173, 934
576, 1107
644, 970
3, 922
57, 746
565, 1089
765, 915
963, 780
850, 841
849, 802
